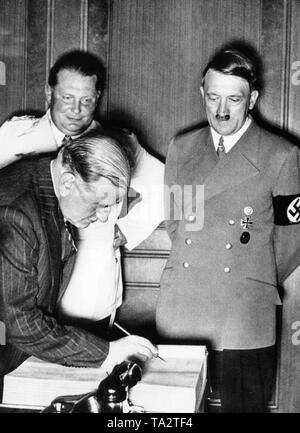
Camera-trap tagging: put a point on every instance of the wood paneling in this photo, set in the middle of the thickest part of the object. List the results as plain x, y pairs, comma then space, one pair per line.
12, 54
37, 49
68, 26
274, 53
98, 40
143, 267
293, 69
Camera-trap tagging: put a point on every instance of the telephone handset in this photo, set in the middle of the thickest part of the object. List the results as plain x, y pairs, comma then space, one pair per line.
111, 395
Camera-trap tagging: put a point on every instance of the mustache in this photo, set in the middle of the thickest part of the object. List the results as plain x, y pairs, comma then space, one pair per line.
226, 117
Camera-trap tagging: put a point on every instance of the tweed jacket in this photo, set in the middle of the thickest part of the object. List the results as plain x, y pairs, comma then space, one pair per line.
31, 270
232, 248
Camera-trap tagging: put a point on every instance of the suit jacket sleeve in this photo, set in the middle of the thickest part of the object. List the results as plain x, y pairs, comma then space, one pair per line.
29, 326
286, 195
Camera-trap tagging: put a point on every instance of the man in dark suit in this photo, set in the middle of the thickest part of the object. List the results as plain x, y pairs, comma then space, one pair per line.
220, 282
38, 200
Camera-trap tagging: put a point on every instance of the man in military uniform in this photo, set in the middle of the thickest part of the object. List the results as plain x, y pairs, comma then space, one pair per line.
219, 285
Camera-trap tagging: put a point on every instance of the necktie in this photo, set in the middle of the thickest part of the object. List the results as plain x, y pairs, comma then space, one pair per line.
221, 148
67, 241
66, 139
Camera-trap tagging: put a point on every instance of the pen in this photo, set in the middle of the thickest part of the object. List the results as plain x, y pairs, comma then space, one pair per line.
127, 333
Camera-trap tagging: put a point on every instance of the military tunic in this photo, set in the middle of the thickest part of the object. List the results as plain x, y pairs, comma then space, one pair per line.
235, 240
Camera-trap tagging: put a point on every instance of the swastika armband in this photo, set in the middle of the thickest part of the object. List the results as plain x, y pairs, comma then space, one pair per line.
286, 209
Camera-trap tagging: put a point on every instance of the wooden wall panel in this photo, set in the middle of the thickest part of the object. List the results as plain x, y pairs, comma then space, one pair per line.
97, 38
37, 49
98, 41
143, 267
293, 69
12, 54
274, 52
68, 26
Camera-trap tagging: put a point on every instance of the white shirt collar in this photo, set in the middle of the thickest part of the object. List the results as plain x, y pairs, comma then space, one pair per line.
230, 140
58, 135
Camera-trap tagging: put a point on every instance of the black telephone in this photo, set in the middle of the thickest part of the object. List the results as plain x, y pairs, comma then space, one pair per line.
111, 396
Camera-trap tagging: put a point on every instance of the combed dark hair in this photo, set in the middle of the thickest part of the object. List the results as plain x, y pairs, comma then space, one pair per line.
79, 61
95, 155
239, 60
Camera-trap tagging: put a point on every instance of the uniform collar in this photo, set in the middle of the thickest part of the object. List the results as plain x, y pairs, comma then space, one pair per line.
230, 140
58, 135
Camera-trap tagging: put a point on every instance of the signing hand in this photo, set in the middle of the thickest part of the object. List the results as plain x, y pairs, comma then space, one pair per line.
126, 348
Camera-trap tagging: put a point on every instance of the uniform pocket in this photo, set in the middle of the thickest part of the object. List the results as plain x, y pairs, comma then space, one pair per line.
167, 276
265, 291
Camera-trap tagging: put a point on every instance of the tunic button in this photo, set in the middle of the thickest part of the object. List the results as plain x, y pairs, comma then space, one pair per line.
228, 246
188, 241
191, 218
185, 264
227, 269
231, 222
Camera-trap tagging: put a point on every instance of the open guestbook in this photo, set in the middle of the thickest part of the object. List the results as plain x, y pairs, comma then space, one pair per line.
175, 386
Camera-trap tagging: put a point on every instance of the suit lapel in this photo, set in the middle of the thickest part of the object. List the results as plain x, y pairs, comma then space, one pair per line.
52, 220
202, 159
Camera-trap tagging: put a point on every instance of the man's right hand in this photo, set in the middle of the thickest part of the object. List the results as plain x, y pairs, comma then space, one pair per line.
126, 348
24, 136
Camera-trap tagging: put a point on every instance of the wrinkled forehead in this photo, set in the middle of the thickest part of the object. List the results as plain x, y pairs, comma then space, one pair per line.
102, 191
72, 78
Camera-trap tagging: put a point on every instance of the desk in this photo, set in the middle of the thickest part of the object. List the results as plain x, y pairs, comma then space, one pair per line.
174, 386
